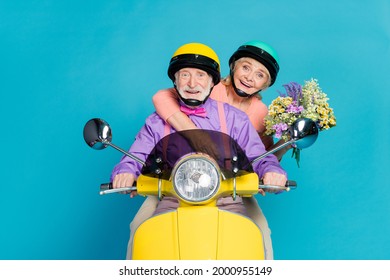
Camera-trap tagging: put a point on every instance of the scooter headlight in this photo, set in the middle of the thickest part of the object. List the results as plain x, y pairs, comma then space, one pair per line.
196, 179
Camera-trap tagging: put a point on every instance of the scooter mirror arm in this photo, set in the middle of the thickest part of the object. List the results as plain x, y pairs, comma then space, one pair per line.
124, 152
273, 150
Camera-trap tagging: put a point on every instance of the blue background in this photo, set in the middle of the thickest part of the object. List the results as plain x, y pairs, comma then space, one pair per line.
64, 62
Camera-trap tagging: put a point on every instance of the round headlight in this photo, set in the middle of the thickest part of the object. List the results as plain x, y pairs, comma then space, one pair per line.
196, 179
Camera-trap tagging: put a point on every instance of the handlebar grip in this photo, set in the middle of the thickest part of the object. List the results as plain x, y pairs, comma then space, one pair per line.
107, 188
278, 189
291, 184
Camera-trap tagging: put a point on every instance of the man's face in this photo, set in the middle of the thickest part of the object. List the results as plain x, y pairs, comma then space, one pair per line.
193, 83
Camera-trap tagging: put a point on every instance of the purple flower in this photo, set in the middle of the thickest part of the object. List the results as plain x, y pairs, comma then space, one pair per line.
294, 108
294, 90
279, 129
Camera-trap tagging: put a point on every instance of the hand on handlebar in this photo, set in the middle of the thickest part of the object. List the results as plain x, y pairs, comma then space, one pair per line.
273, 179
123, 180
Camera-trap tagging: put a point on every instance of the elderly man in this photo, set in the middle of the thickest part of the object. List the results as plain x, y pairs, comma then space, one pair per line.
194, 70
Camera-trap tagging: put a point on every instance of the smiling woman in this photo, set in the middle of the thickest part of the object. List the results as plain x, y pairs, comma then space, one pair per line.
251, 75
249, 78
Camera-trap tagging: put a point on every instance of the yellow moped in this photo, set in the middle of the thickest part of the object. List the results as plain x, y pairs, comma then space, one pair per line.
197, 177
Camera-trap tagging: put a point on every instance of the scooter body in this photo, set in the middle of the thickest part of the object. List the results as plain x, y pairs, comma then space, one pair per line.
199, 232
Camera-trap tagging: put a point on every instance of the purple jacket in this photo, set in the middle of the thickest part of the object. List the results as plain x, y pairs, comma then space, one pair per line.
238, 127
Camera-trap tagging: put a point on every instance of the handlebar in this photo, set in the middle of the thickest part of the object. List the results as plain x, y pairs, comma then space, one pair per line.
106, 188
272, 188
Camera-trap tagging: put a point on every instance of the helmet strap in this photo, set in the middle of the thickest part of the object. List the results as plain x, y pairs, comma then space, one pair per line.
192, 102
240, 92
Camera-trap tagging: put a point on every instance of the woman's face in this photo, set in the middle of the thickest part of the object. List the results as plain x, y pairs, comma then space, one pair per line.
250, 75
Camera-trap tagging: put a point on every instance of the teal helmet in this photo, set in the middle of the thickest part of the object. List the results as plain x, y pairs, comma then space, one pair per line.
261, 52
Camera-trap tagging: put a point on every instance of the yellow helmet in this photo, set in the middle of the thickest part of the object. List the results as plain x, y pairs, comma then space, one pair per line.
195, 55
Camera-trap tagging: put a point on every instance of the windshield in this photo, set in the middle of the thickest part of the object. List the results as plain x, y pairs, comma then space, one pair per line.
219, 146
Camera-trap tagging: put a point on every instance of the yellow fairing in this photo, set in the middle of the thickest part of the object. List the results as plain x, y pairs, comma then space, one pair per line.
239, 238
199, 232
157, 239
246, 185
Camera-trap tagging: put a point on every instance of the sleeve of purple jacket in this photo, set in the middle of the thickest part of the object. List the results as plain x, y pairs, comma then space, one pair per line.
144, 142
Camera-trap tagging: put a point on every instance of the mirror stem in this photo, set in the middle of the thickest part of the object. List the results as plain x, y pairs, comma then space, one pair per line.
273, 151
124, 152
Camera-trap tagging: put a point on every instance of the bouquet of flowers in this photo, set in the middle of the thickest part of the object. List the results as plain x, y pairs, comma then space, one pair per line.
307, 101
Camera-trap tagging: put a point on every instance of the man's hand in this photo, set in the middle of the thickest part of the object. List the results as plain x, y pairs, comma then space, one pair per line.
274, 179
124, 180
